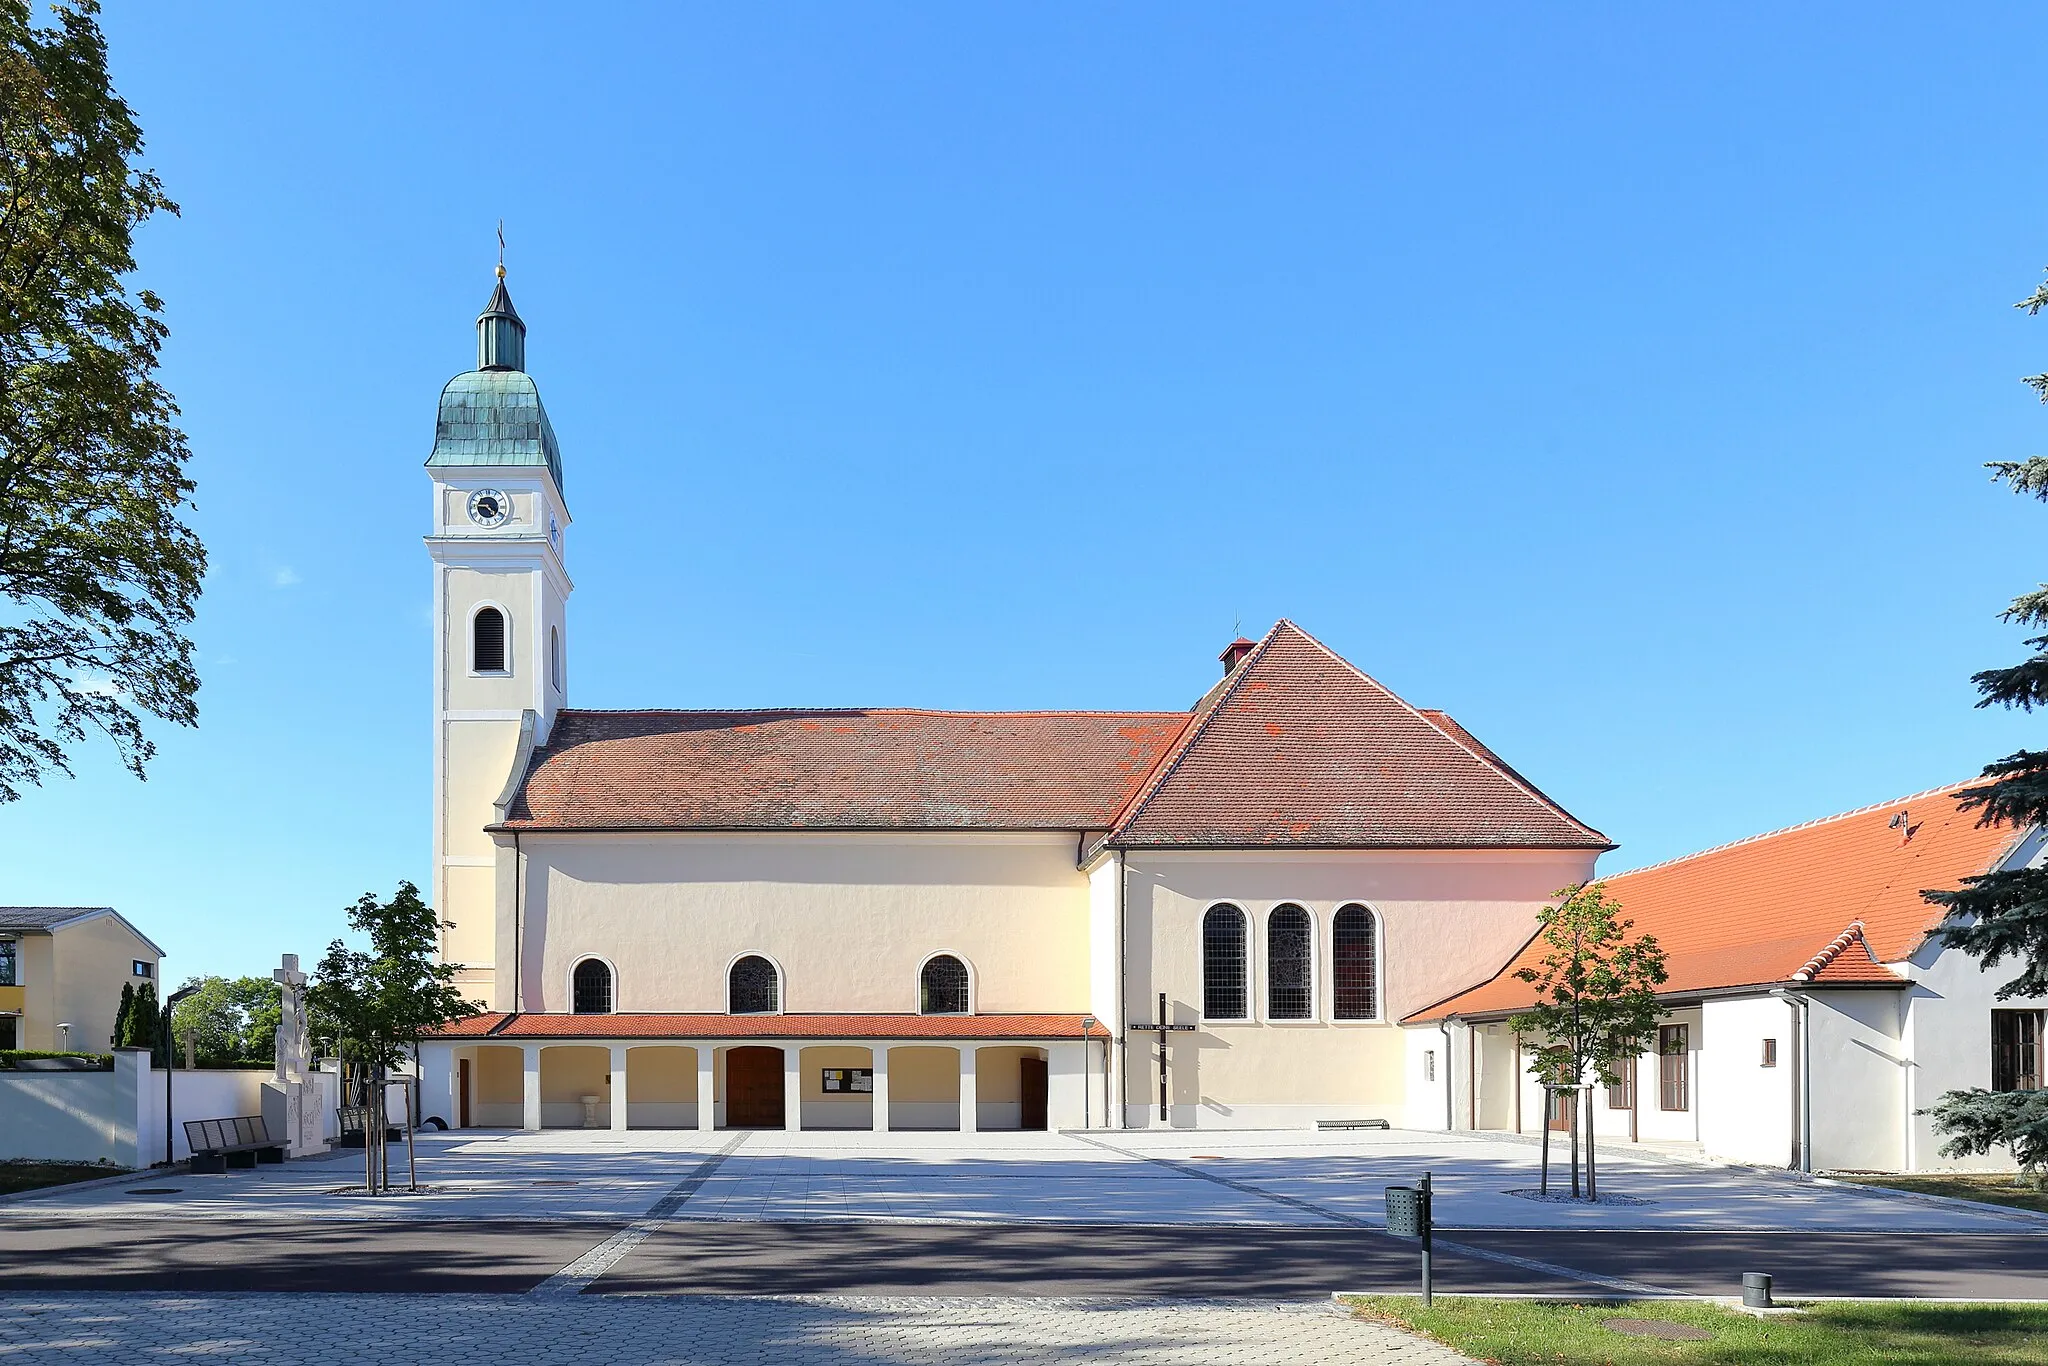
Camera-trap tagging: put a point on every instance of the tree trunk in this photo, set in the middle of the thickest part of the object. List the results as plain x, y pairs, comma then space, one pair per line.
1543, 1187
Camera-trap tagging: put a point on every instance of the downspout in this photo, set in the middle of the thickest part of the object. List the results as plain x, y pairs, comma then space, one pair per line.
1122, 1022
518, 876
1802, 1056
1444, 1027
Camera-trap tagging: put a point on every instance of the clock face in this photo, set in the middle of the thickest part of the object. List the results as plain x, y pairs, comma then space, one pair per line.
489, 507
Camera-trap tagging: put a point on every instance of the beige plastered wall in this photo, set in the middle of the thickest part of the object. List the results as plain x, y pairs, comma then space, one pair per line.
849, 919
1447, 921
74, 975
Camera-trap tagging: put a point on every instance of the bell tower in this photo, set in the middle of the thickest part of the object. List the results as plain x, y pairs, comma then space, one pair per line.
501, 595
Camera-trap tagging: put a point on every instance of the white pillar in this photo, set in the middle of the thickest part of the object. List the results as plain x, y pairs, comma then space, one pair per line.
970, 1121
618, 1086
881, 1062
707, 1113
792, 1087
531, 1094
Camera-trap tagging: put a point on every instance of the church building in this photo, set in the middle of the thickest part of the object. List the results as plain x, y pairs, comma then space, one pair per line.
882, 918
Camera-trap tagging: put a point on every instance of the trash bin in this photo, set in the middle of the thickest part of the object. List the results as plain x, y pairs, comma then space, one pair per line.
1407, 1211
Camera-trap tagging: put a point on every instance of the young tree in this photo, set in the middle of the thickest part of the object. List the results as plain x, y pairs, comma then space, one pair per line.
1596, 1000
98, 572
376, 1004
2004, 915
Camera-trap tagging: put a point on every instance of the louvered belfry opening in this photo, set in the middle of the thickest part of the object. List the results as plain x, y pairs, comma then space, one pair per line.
1288, 975
1354, 965
487, 633
1223, 964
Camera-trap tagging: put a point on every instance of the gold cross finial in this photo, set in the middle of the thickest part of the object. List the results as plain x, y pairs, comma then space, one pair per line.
501, 248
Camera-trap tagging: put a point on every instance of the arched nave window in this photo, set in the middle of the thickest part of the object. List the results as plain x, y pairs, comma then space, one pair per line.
487, 641
592, 987
1223, 964
753, 987
1354, 964
942, 986
555, 658
1289, 943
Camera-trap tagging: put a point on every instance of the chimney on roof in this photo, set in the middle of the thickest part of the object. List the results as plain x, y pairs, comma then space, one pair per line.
1234, 653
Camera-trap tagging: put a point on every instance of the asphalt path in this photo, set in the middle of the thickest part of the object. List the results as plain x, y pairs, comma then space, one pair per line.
1989, 1266
210, 1256
722, 1258
1039, 1259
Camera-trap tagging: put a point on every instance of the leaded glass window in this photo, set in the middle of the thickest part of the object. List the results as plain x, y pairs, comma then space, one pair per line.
1288, 947
1354, 965
1223, 964
753, 988
593, 988
942, 987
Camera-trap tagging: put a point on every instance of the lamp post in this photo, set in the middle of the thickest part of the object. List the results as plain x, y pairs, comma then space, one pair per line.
170, 1057
64, 1040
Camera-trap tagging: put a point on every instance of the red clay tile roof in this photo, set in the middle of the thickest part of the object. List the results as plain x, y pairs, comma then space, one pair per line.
839, 770
1300, 748
1837, 897
499, 1025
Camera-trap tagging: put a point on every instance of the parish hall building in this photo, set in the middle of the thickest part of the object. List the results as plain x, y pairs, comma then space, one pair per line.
871, 918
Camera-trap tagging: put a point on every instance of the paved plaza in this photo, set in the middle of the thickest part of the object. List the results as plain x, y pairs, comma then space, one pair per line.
1137, 1178
656, 1246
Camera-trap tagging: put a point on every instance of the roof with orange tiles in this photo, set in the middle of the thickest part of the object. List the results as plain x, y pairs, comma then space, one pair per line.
1829, 902
852, 769
1295, 747
535, 1025
1301, 748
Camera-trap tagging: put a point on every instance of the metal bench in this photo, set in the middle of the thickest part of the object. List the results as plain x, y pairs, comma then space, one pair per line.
1353, 1124
218, 1144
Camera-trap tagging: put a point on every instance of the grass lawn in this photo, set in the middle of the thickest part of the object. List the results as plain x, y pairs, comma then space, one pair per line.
1532, 1333
1991, 1189
27, 1176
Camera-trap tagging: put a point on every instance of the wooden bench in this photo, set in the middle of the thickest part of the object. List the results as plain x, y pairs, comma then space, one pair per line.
218, 1144
1353, 1124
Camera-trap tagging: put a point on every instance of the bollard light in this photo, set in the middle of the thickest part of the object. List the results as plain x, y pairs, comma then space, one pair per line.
1756, 1290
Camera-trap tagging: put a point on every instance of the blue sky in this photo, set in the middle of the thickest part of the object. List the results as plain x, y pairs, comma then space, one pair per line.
1615, 377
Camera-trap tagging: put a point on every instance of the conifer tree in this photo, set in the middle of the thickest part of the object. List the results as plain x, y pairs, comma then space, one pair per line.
121, 1015
2003, 915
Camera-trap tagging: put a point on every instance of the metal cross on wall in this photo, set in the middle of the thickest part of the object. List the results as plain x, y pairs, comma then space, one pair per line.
1162, 1029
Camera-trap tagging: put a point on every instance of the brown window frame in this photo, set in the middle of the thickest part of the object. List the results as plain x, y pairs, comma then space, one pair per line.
1622, 1095
2015, 1050
1674, 1068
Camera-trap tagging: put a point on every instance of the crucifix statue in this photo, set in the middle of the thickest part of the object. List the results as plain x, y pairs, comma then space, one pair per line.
1162, 1029
294, 1056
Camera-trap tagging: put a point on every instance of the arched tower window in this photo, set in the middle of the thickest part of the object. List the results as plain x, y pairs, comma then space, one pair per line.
1223, 964
1354, 964
555, 657
752, 987
942, 987
487, 641
592, 986
1288, 974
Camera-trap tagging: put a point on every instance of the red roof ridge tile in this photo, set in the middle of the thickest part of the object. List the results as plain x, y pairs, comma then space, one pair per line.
1827, 955
1788, 829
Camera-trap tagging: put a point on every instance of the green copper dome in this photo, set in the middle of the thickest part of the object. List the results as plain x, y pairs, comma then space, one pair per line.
493, 415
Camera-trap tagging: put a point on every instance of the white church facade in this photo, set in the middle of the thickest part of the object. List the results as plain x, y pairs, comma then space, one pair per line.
899, 918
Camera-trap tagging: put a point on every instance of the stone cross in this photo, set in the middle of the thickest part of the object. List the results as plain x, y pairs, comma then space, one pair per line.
294, 1055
